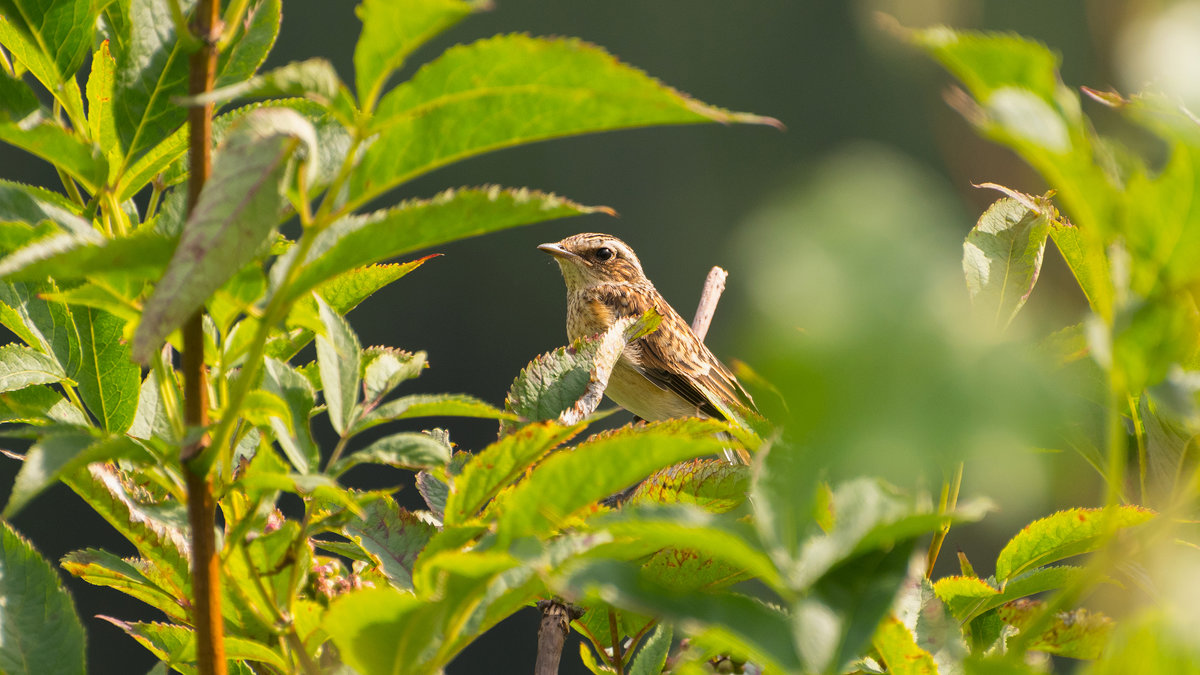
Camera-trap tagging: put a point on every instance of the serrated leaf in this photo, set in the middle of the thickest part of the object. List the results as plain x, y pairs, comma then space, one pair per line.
899, 651
435, 491
391, 33
312, 78
492, 86
152, 69
385, 368
430, 405
338, 357
60, 28
238, 207
17, 100
571, 479
1079, 634
1064, 534
359, 240
700, 536
42, 632
101, 126
712, 484
158, 529
37, 404
50, 40
969, 597
176, 645
70, 255
63, 454
130, 576
297, 442
407, 449
21, 367
109, 382
393, 536
651, 658
1002, 257
32, 205
113, 295
65, 150
568, 383
405, 625
499, 464
345, 291
757, 630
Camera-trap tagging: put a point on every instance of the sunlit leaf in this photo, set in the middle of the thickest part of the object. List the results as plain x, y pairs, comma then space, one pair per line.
1064, 534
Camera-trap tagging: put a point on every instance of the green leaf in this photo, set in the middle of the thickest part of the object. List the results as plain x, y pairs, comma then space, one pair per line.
971, 597
17, 100
62, 30
360, 240
338, 357
712, 484
568, 383
134, 577
836, 620
509, 90
151, 420
652, 657
152, 69
238, 207
69, 256
500, 464
391, 32
407, 449
573, 478
157, 528
1002, 257
32, 205
115, 295
63, 454
757, 630
430, 405
21, 367
393, 536
109, 381
297, 442
39, 405
51, 40
1064, 534
700, 534
869, 516
176, 645
42, 632
313, 78
101, 125
345, 291
1079, 634
64, 149
385, 368
899, 651
383, 630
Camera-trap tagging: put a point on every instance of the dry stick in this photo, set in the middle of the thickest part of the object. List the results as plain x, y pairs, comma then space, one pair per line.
552, 634
714, 285
206, 579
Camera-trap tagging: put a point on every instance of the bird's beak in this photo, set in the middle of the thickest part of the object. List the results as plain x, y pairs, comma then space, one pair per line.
558, 252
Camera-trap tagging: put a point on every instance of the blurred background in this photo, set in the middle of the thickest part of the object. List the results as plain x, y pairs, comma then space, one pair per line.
842, 236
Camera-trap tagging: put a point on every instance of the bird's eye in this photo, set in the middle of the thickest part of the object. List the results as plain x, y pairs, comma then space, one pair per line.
603, 253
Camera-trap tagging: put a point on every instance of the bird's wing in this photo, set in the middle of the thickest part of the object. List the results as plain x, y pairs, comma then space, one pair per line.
675, 359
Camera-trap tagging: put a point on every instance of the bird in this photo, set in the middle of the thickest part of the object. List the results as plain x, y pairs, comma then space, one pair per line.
667, 374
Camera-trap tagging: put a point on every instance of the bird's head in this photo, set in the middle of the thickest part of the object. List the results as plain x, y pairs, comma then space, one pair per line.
590, 259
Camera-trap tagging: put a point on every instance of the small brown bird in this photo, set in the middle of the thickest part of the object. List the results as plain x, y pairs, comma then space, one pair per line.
667, 374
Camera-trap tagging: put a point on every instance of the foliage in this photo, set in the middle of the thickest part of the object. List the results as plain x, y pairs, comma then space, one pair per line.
766, 565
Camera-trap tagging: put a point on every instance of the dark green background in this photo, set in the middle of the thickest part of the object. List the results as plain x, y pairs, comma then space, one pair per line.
489, 305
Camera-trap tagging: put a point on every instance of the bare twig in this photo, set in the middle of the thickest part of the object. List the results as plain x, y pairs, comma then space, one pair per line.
206, 570
552, 634
714, 285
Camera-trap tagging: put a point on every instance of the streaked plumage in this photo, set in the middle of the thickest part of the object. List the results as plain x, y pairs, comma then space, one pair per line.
666, 374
